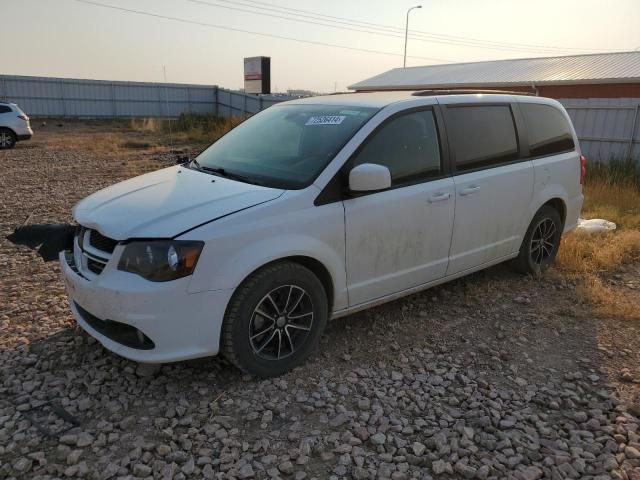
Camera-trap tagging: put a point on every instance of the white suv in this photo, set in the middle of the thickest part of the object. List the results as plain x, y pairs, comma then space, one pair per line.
14, 125
314, 209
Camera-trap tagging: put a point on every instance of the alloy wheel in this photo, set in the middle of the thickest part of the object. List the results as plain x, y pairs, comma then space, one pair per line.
281, 322
543, 241
6, 140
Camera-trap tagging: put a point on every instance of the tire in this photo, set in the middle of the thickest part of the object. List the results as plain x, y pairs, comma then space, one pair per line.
7, 139
274, 320
541, 242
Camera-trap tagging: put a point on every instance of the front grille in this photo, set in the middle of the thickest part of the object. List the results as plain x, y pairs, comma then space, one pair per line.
99, 241
118, 332
95, 250
95, 266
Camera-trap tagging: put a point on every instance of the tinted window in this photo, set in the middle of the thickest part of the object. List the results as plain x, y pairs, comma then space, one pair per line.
4, 109
482, 136
407, 146
286, 146
547, 129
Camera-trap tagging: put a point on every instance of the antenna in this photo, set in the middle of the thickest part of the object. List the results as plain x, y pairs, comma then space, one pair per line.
166, 98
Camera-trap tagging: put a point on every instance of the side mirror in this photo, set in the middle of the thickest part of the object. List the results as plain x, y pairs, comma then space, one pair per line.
369, 177
181, 160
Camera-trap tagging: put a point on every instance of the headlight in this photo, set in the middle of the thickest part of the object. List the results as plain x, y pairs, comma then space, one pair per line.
160, 260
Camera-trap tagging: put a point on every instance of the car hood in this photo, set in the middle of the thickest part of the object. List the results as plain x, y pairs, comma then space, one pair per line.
165, 203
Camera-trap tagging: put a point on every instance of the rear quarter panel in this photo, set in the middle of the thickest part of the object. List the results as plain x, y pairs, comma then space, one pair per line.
557, 176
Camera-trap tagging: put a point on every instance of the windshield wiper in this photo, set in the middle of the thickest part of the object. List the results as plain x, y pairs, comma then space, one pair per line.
227, 174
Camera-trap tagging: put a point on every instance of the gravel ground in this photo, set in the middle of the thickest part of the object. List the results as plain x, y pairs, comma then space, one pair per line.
492, 376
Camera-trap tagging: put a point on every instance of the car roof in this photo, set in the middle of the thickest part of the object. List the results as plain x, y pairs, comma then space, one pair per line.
365, 99
384, 98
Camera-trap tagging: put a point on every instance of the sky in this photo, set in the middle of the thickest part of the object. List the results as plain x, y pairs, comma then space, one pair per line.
69, 38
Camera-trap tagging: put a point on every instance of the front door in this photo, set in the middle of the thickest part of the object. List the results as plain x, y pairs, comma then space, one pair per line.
399, 238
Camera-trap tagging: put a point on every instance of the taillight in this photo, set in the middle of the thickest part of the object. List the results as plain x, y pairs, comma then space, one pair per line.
583, 168
23, 117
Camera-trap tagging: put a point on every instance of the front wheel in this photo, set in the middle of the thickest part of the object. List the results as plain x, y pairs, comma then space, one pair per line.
541, 242
274, 320
7, 139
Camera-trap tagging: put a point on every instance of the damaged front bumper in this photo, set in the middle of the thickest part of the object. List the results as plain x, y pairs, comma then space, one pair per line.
151, 322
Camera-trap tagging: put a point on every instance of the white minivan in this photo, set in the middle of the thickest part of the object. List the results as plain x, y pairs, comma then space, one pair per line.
317, 208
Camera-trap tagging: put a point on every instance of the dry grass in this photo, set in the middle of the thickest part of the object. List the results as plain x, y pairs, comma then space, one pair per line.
598, 253
151, 135
188, 128
615, 202
590, 257
608, 300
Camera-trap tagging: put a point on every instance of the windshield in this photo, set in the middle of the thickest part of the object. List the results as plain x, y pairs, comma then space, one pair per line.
285, 146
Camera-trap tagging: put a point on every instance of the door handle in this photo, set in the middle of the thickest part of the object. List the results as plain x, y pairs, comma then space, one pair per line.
439, 197
469, 190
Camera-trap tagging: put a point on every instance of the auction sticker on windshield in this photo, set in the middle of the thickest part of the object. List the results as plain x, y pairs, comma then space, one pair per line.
326, 120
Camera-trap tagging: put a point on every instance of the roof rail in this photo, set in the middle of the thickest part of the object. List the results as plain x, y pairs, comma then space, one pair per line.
466, 91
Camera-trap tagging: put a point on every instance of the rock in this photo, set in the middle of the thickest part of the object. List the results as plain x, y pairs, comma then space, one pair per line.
580, 417
360, 473
141, 470
631, 452
109, 471
22, 465
84, 440
188, 467
246, 471
532, 473
418, 448
74, 457
440, 466
286, 468
339, 420
69, 439
467, 471
127, 422
378, 439
163, 450
483, 472
148, 369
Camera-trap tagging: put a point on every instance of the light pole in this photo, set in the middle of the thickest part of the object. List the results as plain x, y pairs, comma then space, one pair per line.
406, 33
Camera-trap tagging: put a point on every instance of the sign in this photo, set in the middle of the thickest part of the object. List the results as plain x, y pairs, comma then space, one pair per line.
257, 75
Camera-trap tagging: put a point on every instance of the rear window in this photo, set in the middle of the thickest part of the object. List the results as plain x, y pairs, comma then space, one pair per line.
5, 109
547, 129
483, 136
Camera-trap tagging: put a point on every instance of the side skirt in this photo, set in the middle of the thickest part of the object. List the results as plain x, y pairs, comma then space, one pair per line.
419, 288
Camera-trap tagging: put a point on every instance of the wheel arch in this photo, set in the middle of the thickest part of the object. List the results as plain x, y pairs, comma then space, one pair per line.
559, 205
10, 130
314, 265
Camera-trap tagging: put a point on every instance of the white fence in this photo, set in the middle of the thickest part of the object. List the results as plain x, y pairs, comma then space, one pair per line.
608, 128
65, 97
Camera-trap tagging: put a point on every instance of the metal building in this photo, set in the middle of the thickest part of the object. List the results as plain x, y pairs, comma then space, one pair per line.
600, 91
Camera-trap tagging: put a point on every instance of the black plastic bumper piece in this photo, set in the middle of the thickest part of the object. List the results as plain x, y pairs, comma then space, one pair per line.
118, 332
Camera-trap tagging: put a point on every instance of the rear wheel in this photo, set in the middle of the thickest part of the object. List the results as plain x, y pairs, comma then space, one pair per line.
7, 139
541, 242
274, 320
